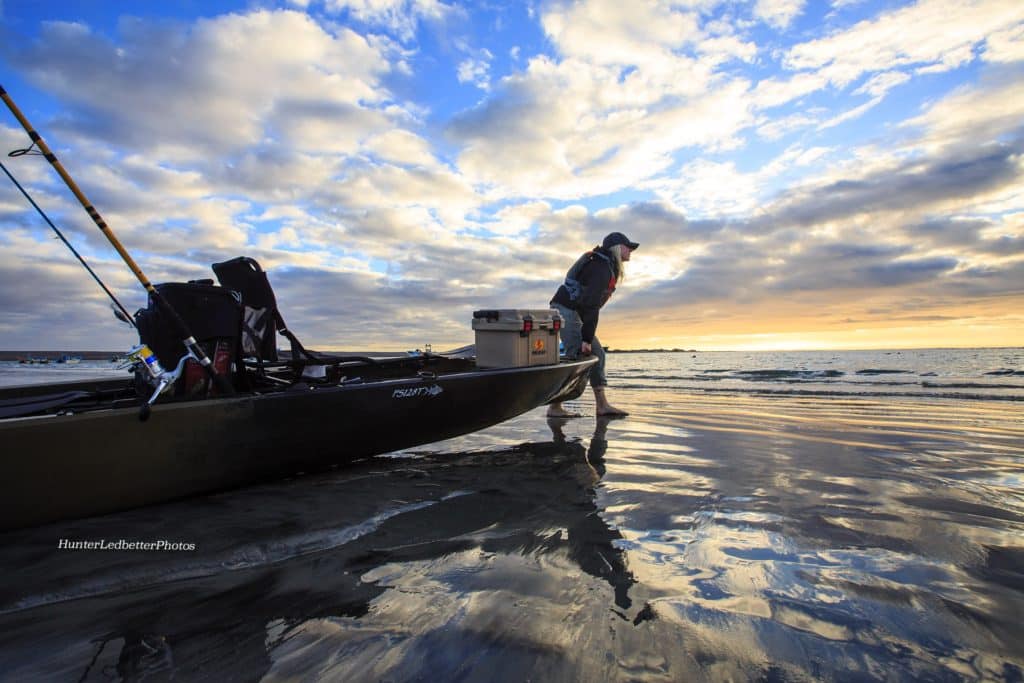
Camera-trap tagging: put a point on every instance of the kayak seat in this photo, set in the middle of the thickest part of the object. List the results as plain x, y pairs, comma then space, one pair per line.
262, 319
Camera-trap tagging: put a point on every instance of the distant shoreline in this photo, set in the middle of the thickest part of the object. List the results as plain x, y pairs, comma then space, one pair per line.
54, 355
652, 350
107, 355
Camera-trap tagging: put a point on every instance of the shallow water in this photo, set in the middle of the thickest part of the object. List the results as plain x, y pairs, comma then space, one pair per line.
989, 374
980, 374
708, 536
13, 373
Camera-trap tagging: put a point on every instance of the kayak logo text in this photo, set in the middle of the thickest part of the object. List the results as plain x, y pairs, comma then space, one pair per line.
418, 391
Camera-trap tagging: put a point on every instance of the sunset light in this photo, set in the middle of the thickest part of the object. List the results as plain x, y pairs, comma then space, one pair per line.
799, 175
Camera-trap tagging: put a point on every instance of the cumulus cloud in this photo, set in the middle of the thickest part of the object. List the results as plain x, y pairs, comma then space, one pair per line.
518, 219
214, 95
401, 147
778, 13
476, 70
617, 102
51, 302
1005, 46
536, 139
401, 17
949, 180
850, 114
880, 84
876, 241
608, 32
938, 34
746, 204
775, 128
629, 86
706, 187
309, 123
971, 114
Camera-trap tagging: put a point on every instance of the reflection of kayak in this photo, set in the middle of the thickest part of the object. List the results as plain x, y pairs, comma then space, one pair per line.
91, 454
270, 561
70, 360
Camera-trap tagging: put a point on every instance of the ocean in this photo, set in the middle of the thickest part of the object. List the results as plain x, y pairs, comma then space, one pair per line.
951, 373
758, 516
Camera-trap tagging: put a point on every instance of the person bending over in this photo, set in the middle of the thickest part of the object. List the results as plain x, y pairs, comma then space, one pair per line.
588, 285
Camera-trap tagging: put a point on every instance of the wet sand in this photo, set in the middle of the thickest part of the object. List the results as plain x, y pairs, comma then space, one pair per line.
701, 538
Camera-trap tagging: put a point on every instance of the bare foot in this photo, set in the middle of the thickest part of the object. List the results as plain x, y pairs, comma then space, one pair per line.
611, 411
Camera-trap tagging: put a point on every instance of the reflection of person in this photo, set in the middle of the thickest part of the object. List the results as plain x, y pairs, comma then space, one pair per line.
592, 541
599, 445
594, 459
588, 285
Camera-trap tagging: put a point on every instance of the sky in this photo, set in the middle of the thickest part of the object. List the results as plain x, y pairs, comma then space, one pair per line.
800, 175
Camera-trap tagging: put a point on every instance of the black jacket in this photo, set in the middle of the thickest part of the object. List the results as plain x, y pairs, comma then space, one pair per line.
588, 286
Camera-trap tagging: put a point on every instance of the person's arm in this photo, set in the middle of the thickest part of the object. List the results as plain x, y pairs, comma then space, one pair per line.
594, 281
589, 327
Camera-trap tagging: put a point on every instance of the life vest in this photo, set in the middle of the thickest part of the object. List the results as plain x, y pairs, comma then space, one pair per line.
572, 283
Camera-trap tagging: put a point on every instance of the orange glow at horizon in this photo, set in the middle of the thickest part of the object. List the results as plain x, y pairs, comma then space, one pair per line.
968, 330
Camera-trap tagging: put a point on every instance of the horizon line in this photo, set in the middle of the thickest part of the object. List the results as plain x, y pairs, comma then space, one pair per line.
612, 349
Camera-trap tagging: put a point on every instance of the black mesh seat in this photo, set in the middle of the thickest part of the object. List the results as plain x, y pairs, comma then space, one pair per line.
262, 319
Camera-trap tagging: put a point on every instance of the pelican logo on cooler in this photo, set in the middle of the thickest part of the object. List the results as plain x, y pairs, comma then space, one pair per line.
418, 391
538, 346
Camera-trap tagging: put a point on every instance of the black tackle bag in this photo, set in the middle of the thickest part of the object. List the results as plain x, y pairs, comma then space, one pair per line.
214, 317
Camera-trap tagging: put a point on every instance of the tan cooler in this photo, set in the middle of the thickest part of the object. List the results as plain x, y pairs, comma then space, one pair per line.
513, 338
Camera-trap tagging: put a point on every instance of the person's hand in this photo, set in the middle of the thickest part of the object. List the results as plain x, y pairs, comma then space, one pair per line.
585, 349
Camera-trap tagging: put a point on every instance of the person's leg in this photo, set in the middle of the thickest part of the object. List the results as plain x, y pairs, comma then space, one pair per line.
572, 329
598, 382
597, 376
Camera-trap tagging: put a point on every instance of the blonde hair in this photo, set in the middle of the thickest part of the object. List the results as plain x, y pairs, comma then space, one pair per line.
620, 267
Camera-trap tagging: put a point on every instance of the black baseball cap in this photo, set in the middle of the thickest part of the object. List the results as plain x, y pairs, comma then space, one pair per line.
618, 238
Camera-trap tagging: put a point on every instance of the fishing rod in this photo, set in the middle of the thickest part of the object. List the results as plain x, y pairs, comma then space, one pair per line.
127, 316
186, 335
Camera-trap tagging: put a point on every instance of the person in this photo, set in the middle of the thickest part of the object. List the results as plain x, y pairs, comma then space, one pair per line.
588, 285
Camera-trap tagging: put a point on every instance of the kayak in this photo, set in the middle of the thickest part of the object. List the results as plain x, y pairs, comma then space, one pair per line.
80, 449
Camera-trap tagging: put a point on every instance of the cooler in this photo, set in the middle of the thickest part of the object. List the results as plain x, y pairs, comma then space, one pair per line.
513, 338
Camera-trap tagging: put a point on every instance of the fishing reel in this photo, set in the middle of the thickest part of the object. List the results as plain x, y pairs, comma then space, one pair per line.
146, 366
